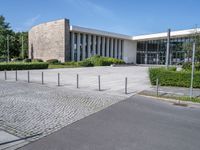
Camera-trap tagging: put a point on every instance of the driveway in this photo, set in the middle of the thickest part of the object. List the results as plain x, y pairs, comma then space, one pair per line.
137, 123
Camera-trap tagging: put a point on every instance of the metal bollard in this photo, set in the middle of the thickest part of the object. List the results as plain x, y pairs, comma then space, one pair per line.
42, 78
157, 86
28, 76
5, 75
77, 81
99, 80
58, 79
16, 75
126, 80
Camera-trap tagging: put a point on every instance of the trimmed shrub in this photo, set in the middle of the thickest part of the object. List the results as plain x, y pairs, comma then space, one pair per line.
168, 77
103, 61
197, 66
71, 63
23, 66
188, 66
37, 60
85, 63
53, 61
27, 60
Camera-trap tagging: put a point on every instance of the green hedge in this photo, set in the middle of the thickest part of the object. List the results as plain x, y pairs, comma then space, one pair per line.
53, 61
23, 66
100, 61
188, 66
173, 78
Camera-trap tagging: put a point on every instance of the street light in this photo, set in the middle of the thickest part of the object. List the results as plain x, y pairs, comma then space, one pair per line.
168, 48
192, 73
193, 61
8, 50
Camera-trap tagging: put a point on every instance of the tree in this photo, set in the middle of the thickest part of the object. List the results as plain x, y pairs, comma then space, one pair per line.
195, 36
4, 31
15, 41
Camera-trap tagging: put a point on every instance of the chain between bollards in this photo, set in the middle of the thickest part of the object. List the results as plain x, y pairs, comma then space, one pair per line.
77, 81
28, 76
99, 81
126, 80
5, 75
42, 78
58, 79
16, 75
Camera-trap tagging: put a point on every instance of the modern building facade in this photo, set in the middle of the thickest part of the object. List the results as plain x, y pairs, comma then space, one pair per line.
62, 41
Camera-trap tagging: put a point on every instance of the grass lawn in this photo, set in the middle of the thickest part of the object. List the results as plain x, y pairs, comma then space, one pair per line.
54, 66
181, 98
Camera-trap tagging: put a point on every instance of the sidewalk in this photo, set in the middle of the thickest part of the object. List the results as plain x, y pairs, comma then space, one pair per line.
173, 91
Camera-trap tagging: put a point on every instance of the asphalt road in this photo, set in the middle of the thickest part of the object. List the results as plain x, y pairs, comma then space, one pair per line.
137, 123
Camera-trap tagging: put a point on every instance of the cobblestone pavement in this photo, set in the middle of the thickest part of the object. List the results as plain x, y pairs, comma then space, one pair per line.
29, 109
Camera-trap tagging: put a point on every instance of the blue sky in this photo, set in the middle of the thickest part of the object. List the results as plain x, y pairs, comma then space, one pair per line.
131, 17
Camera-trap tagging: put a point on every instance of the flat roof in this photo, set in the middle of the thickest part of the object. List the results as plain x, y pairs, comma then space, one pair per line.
155, 36
99, 32
180, 33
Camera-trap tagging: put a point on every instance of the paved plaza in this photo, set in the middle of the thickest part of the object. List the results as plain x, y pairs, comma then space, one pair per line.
32, 108
112, 78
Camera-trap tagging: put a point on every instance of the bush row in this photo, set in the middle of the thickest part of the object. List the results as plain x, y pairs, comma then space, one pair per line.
173, 78
188, 66
23, 66
100, 61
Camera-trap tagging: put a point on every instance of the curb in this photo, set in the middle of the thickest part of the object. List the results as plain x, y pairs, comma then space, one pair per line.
190, 104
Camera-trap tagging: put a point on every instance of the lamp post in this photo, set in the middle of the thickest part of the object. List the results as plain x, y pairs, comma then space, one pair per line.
192, 73
22, 47
168, 48
8, 49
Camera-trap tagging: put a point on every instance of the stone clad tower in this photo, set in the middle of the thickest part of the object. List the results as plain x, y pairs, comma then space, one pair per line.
50, 40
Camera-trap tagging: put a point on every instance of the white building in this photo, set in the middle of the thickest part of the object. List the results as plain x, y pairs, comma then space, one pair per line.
60, 40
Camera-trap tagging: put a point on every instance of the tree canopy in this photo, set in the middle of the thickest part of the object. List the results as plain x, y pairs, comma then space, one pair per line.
14, 39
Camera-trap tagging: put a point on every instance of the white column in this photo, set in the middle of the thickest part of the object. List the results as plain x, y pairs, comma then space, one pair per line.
94, 45
115, 49
103, 46
119, 49
107, 46
146, 55
89, 46
78, 46
72, 46
99, 45
122, 49
111, 47
84, 50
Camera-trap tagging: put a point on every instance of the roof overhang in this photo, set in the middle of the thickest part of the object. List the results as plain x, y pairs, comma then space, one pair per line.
174, 34
99, 32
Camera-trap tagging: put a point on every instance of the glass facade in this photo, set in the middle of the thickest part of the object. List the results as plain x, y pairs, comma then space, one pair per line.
154, 51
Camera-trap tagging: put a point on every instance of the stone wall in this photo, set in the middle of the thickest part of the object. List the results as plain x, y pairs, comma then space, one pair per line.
50, 41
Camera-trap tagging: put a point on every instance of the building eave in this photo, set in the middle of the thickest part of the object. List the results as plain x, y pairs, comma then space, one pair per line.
163, 35
99, 32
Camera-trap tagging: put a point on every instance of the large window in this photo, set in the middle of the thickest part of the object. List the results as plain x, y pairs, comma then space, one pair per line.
154, 51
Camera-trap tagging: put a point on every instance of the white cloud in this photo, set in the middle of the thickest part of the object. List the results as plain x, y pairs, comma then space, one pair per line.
26, 25
92, 7
30, 22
